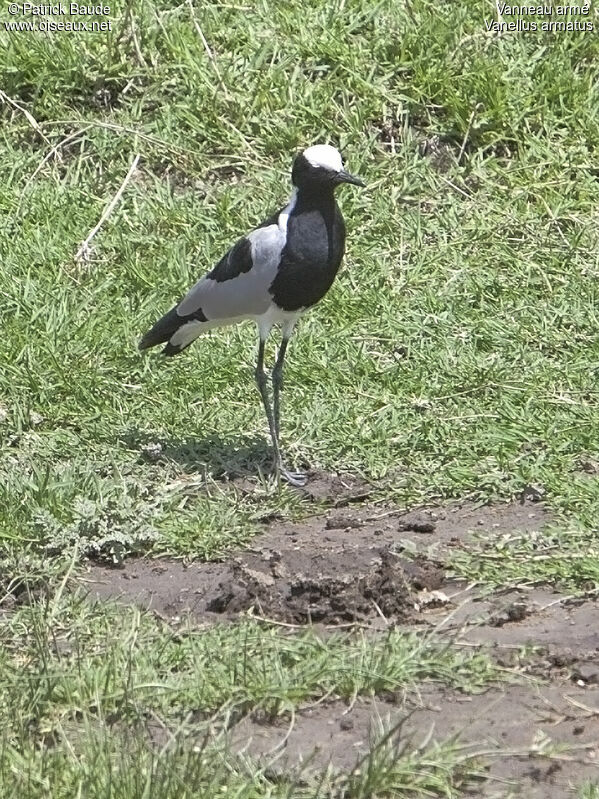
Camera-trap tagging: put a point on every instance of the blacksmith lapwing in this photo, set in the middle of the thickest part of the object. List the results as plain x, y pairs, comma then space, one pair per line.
271, 275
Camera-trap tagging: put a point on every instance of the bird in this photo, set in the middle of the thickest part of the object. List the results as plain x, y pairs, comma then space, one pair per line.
271, 275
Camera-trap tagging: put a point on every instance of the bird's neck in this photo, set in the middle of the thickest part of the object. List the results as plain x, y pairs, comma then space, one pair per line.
313, 198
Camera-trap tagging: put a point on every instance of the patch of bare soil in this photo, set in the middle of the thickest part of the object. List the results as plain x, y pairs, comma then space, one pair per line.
339, 489
346, 584
351, 564
518, 731
340, 567
538, 737
559, 634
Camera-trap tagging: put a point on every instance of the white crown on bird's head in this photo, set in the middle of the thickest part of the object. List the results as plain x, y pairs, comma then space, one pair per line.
321, 164
324, 155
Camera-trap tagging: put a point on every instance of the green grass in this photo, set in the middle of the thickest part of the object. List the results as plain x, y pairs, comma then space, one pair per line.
589, 791
456, 355
67, 652
560, 555
125, 767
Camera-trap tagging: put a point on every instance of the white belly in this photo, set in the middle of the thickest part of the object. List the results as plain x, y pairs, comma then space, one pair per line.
277, 316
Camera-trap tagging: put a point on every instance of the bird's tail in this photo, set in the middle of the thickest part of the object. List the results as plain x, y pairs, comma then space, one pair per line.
177, 331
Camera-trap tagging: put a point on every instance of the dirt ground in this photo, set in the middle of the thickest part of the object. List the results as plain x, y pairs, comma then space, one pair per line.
333, 568
379, 566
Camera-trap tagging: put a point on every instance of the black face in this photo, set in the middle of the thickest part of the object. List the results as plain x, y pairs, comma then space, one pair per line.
306, 175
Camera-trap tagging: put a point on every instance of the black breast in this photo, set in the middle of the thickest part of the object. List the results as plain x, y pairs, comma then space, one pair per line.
311, 256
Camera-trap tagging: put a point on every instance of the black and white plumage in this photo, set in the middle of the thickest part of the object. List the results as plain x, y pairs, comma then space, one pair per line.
271, 275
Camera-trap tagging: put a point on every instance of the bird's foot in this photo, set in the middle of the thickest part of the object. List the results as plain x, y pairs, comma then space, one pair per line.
297, 479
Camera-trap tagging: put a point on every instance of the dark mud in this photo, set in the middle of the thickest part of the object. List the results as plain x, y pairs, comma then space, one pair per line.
344, 566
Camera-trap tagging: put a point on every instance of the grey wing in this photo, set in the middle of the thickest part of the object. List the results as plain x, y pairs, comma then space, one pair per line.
237, 288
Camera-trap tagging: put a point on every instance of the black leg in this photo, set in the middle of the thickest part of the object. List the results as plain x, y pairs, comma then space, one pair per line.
294, 478
261, 382
277, 383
